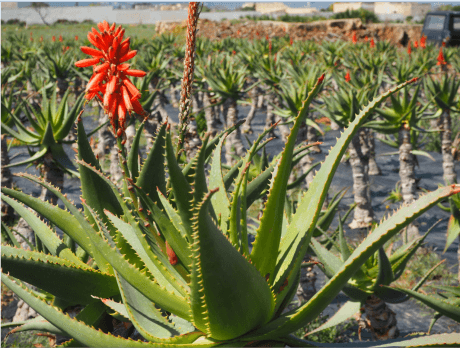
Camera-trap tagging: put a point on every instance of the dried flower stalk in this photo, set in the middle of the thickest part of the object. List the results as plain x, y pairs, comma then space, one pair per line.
189, 67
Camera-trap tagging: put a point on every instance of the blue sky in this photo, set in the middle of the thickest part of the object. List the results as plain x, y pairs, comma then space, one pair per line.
229, 5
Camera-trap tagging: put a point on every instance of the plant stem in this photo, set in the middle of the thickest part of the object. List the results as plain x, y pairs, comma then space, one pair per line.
187, 80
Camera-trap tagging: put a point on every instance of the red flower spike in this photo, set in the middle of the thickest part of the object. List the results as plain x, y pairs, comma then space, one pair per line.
321, 78
76, 37
60, 38
126, 99
347, 76
109, 82
354, 38
53, 38
87, 62
372, 43
91, 51
440, 59
102, 68
409, 48
123, 67
416, 44
137, 73
366, 38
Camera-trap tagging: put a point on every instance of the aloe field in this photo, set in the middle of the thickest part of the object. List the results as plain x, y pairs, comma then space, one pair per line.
175, 191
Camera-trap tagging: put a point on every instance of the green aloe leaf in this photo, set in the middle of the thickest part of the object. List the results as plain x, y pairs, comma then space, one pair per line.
441, 306
59, 217
62, 278
95, 191
294, 244
181, 189
296, 319
219, 200
344, 313
133, 157
47, 236
170, 226
151, 256
88, 336
67, 119
148, 319
269, 233
153, 171
200, 187
37, 156
221, 311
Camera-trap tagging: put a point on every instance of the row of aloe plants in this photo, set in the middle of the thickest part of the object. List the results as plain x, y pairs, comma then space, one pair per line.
190, 213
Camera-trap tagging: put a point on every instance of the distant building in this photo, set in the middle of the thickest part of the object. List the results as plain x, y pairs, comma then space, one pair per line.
404, 9
143, 6
350, 6
280, 8
9, 5
249, 4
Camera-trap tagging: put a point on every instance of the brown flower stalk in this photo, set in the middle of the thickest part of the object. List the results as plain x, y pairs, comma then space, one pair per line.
189, 67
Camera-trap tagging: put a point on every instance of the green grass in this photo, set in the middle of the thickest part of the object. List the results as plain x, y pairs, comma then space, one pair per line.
69, 31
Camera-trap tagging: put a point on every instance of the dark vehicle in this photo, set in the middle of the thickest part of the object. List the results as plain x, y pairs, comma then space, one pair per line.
442, 26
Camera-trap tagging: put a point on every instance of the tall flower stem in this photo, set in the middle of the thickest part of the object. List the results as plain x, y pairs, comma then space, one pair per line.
189, 67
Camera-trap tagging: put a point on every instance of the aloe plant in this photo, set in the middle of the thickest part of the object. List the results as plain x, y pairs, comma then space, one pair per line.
49, 126
403, 117
175, 245
366, 288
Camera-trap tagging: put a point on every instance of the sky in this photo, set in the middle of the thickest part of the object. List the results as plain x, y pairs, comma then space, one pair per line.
229, 5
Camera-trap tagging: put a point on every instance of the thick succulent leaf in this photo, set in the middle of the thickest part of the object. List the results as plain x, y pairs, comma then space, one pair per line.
148, 319
344, 313
62, 159
258, 185
442, 340
67, 280
175, 236
200, 187
219, 200
440, 306
87, 335
296, 319
67, 222
153, 171
294, 244
47, 236
69, 118
37, 156
385, 274
38, 324
453, 226
181, 189
95, 191
133, 157
151, 256
7, 232
224, 312
455, 290
175, 218
134, 276
266, 244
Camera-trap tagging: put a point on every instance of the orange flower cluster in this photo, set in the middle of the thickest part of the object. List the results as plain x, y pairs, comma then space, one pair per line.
372, 43
409, 48
441, 60
110, 82
423, 42
347, 76
354, 38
